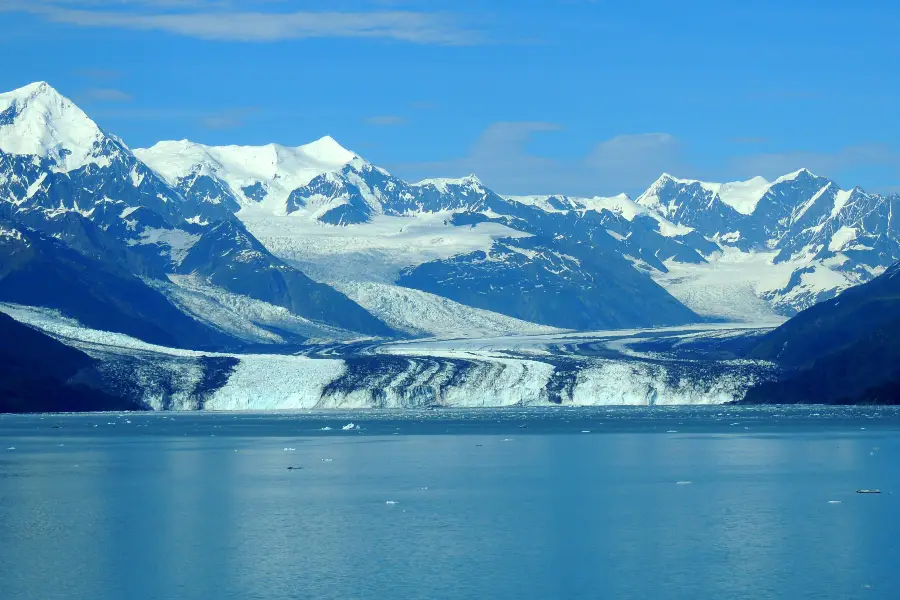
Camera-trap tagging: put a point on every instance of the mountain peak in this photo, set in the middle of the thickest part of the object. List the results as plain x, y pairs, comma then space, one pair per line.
37, 120
326, 149
799, 173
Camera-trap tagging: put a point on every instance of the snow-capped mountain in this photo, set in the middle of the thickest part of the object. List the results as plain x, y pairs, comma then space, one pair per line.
748, 249
252, 222
794, 242
537, 260
131, 255
60, 174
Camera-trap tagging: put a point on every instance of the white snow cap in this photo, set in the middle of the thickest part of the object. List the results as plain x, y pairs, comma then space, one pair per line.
37, 120
247, 163
281, 169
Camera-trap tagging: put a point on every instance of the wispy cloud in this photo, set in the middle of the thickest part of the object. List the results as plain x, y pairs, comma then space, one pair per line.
501, 158
386, 120
105, 95
631, 162
232, 21
227, 119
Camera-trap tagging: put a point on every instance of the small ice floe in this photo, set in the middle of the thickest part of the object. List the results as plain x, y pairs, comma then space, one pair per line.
327, 459
834, 501
672, 431
683, 482
425, 488
585, 431
390, 502
326, 428
350, 427
733, 424
289, 449
11, 448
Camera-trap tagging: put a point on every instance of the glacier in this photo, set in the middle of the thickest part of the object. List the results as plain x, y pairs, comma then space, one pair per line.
541, 369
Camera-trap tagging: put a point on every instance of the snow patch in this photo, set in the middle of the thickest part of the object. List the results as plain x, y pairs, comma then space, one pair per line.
841, 238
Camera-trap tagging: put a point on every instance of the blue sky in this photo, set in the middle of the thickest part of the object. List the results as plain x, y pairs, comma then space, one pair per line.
559, 96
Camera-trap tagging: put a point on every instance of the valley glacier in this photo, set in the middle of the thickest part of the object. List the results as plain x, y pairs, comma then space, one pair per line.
575, 369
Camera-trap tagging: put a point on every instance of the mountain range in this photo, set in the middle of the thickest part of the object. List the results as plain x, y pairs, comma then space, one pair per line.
237, 248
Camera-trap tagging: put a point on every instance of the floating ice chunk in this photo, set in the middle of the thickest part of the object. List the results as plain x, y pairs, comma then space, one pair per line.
390, 502
327, 459
289, 449
326, 428
585, 431
11, 448
350, 427
683, 482
834, 501
672, 431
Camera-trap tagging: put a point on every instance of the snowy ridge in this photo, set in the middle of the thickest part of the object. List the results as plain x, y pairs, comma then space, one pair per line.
742, 196
276, 169
621, 205
442, 184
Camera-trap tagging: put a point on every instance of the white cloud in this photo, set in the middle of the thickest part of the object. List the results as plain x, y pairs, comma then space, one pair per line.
228, 21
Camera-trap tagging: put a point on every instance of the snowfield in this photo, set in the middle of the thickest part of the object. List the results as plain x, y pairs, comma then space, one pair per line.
374, 251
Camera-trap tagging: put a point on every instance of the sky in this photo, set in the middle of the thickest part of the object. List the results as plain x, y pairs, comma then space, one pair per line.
579, 97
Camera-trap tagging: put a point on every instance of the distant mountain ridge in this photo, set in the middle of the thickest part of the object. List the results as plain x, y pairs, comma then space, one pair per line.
215, 229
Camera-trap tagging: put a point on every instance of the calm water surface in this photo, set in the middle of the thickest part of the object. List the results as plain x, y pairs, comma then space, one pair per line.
452, 504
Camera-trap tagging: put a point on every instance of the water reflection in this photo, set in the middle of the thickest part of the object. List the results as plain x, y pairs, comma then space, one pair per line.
538, 516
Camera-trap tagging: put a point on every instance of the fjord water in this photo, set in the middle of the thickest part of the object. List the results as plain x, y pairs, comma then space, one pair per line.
591, 503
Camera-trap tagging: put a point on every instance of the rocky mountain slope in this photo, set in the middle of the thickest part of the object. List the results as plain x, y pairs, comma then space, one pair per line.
844, 350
